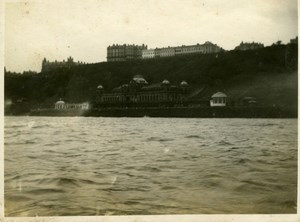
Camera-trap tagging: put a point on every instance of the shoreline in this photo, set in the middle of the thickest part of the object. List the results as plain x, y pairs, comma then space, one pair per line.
174, 112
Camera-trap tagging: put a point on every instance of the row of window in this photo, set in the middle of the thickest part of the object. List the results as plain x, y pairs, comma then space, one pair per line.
220, 100
182, 51
141, 98
186, 49
121, 54
116, 59
71, 106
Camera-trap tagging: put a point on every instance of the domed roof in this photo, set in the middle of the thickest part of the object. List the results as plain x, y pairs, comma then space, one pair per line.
165, 82
60, 102
139, 79
184, 83
219, 94
100, 87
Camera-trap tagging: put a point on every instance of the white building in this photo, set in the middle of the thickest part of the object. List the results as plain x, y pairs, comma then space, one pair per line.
205, 48
218, 99
148, 54
61, 105
167, 52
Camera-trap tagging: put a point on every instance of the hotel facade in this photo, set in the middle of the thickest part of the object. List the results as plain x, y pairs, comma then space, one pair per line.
205, 48
129, 52
125, 52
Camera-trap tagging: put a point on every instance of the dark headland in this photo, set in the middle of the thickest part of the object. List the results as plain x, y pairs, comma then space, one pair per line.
267, 74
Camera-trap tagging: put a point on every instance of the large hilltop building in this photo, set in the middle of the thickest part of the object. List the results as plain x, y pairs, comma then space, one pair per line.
249, 46
124, 52
129, 52
205, 48
47, 65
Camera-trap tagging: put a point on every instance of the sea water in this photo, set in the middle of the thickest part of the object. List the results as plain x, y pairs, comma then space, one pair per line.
56, 166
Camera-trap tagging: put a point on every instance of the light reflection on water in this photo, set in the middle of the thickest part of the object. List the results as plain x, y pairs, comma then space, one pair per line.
116, 166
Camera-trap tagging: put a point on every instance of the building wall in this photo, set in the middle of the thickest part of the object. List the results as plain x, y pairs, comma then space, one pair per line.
249, 46
63, 106
142, 95
205, 48
167, 52
124, 52
156, 53
218, 101
47, 65
294, 41
148, 54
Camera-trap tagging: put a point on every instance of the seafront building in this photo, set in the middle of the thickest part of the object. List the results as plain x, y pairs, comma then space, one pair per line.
61, 105
140, 93
218, 99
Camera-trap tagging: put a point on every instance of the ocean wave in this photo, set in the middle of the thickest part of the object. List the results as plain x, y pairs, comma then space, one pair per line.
159, 139
44, 191
65, 181
41, 126
51, 144
193, 136
224, 143
150, 169
265, 124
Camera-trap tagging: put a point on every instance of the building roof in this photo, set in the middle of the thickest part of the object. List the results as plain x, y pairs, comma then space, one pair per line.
166, 81
99, 87
183, 83
219, 94
60, 102
139, 79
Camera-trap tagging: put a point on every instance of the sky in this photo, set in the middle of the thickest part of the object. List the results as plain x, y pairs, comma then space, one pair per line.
57, 29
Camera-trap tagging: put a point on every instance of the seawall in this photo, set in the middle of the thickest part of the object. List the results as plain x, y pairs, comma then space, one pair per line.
180, 112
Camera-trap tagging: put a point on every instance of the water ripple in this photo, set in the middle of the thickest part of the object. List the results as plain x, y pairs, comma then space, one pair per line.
123, 166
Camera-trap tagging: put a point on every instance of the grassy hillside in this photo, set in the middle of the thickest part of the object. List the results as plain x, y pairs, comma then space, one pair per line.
270, 74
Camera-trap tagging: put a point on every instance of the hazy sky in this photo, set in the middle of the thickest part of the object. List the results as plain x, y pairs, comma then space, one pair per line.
56, 29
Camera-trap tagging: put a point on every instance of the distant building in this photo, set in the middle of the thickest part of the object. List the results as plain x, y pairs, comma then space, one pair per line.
157, 53
249, 46
294, 41
218, 99
47, 65
148, 54
124, 52
167, 52
61, 105
139, 93
205, 48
